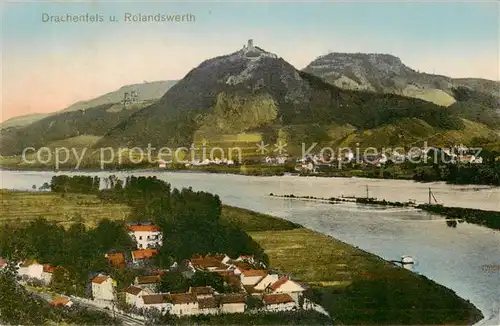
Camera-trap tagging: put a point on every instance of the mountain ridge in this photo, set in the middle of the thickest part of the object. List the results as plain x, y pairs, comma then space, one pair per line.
381, 72
146, 91
270, 95
253, 95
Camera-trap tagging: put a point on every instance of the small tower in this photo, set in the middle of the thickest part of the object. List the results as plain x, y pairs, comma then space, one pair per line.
250, 44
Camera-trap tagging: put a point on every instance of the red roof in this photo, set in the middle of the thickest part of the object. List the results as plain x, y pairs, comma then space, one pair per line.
207, 262
254, 272
144, 253
47, 268
143, 228
3, 262
116, 259
182, 298
232, 298
60, 301
202, 290
277, 298
149, 279
276, 285
99, 279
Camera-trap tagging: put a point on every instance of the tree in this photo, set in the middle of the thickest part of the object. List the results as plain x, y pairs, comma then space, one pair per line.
201, 278
173, 281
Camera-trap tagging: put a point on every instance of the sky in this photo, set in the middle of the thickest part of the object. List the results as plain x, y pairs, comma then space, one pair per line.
46, 66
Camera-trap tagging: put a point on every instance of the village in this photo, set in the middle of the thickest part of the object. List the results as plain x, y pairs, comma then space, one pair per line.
253, 286
314, 163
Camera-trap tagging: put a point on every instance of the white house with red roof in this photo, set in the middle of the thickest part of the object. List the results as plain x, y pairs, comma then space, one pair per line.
30, 269
232, 303
134, 293
285, 285
103, 288
146, 236
278, 302
266, 281
47, 273
252, 276
142, 255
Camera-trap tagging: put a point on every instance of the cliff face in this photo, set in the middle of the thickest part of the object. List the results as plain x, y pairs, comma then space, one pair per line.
387, 73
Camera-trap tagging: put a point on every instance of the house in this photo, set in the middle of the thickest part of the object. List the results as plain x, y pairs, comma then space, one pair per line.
233, 303
281, 160
208, 306
147, 282
183, 304
266, 281
239, 266
285, 285
162, 164
30, 269
134, 293
202, 292
223, 258
103, 288
61, 301
146, 236
141, 255
252, 276
47, 273
154, 301
116, 260
278, 302
208, 263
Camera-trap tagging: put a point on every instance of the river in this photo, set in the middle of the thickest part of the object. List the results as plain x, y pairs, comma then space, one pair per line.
461, 258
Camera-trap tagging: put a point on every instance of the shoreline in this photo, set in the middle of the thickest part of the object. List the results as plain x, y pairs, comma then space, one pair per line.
318, 237
203, 171
267, 229
258, 171
489, 219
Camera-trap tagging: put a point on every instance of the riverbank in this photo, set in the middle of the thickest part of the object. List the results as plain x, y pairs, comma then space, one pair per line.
354, 286
490, 219
413, 172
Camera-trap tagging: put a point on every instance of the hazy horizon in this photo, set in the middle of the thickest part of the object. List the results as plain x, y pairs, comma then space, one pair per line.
49, 66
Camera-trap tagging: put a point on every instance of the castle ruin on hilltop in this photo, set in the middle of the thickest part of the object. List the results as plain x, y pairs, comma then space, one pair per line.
251, 51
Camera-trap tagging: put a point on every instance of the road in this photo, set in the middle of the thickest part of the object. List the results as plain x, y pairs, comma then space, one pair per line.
125, 319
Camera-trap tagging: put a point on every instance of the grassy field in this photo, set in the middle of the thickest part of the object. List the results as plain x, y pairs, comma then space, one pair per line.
354, 286
24, 205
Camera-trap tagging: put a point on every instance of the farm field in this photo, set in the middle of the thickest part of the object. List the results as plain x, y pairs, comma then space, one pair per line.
67, 209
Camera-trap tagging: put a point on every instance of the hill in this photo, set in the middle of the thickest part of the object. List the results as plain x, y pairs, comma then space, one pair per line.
91, 118
254, 94
23, 120
135, 93
388, 74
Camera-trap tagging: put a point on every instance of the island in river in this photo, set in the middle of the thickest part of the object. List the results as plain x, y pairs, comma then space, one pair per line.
355, 287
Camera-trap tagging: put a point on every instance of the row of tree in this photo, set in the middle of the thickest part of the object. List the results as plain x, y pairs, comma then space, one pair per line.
77, 252
190, 220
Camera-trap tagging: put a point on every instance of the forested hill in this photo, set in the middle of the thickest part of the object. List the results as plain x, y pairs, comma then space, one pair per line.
258, 92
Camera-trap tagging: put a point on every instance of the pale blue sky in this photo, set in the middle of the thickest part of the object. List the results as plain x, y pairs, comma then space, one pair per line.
74, 61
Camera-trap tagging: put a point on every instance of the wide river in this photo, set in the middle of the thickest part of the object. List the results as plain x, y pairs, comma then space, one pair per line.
461, 258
